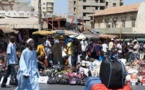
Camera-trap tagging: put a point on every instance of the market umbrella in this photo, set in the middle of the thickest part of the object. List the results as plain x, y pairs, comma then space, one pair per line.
107, 36
8, 30
43, 32
81, 36
90, 34
65, 32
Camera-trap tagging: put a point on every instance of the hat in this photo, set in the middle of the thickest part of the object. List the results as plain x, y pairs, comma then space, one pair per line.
30, 39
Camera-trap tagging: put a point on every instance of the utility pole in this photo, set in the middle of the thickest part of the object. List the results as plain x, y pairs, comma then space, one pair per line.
39, 17
77, 8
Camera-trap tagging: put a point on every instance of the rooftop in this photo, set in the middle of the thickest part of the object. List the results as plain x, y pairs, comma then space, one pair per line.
119, 9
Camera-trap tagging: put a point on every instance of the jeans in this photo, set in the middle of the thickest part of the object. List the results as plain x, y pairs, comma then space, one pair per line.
10, 70
74, 59
83, 55
134, 56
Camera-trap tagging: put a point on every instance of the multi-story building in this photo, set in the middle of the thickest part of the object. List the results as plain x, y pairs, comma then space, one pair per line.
7, 4
128, 20
47, 6
14, 5
83, 8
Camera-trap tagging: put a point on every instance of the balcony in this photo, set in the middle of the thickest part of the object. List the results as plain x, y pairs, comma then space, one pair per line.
115, 30
93, 3
49, 5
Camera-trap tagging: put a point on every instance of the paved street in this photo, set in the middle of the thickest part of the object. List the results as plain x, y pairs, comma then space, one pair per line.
67, 87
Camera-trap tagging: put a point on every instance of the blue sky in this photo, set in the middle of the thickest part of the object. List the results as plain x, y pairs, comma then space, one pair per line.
61, 6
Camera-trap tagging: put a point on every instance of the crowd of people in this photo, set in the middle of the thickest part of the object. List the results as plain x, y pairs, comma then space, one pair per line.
47, 55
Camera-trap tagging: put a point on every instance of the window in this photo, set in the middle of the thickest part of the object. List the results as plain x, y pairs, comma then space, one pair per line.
97, 8
84, 0
102, 7
123, 19
84, 7
121, 4
106, 3
43, 7
102, 1
107, 23
84, 14
123, 23
114, 4
43, 3
74, 9
114, 22
133, 18
74, 2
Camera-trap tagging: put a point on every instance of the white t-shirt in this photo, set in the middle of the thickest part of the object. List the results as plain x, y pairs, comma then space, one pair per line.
110, 45
63, 54
119, 46
47, 43
84, 44
104, 47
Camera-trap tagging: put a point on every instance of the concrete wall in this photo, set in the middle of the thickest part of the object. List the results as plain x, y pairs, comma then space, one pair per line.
128, 20
140, 22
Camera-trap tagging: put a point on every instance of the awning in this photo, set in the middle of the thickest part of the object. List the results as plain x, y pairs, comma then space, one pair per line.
107, 36
43, 32
31, 22
8, 30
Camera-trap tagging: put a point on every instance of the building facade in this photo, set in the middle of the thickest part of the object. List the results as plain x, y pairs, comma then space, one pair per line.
47, 6
7, 4
126, 20
83, 8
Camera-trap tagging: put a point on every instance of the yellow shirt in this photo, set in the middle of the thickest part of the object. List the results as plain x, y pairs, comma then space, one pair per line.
40, 49
69, 48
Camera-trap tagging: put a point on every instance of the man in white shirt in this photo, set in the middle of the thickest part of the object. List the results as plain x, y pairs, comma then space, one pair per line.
104, 47
84, 45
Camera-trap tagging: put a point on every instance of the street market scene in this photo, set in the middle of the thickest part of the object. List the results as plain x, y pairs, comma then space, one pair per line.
72, 45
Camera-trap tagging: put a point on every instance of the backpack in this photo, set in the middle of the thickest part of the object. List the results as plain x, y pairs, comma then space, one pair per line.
112, 73
91, 81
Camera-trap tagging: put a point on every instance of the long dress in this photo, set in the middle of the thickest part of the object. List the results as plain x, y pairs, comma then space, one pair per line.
28, 67
57, 54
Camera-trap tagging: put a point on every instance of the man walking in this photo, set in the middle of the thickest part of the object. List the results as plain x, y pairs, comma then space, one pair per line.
11, 60
28, 68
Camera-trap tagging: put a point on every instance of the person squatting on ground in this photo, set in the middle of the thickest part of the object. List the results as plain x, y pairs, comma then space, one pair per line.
11, 61
28, 73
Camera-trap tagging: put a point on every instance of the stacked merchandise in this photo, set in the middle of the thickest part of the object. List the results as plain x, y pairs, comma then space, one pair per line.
136, 73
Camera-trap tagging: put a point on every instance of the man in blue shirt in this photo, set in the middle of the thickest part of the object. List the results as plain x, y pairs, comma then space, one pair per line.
11, 60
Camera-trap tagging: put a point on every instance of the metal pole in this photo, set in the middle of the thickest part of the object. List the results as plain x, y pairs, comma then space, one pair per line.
120, 32
39, 10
